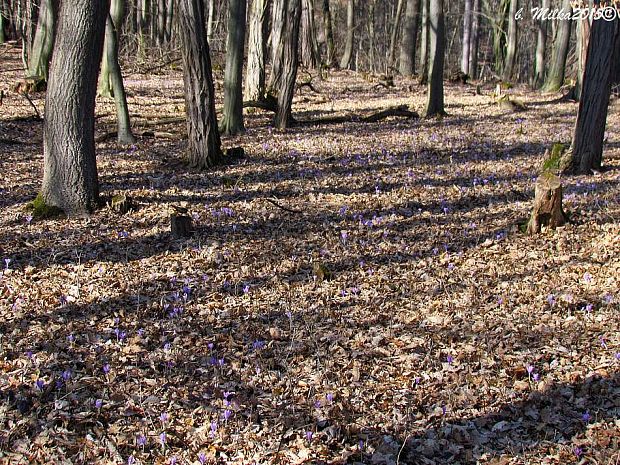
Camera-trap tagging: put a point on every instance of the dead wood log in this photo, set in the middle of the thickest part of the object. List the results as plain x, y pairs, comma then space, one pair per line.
401, 111
269, 103
547, 211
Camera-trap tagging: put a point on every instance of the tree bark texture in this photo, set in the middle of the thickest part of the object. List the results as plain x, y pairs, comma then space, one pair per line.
290, 60
257, 50
467, 17
474, 40
557, 69
70, 171
43, 44
547, 211
587, 147
347, 57
541, 47
437, 33
204, 145
310, 55
394, 35
329, 34
511, 42
232, 118
424, 43
106, 86
409, 38
278, 31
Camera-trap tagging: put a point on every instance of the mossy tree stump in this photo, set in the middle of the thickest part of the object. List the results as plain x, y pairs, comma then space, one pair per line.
547, 211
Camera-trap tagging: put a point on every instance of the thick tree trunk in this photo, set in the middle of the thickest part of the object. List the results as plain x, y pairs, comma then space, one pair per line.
393, 36
474, 40
38, 60
204, 146
437, 33
257, 50
124, 134
511, 42
310, 55
232, 118
70, 170
278, 31
587, 147
467, 17
555, 76
329, 35
290, 59
409, 38
424, 43
347, 57
541, 46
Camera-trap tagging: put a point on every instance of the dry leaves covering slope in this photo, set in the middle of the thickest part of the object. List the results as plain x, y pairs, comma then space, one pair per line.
444, 335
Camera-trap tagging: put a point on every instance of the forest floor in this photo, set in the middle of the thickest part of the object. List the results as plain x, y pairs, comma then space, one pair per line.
444, 334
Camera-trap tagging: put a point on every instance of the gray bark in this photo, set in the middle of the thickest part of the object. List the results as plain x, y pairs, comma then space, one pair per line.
587, 147
161, 22
424, 43
169, 19
437, 46
232, 118
541, 46
347, 57
210, 20
290, 60
394, 35
555, 76
474, 40
511, 42
204, 145
278, 26
310, 55
43, 44
465, 49
69, 169
257, 50
583, 36
409, 38
106, 87
371, 36
329, 34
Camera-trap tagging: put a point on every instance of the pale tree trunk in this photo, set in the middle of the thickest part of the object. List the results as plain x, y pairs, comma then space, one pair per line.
278, 30
474, 40
437, 46
204, 145
511, 42
498, 23
541, 46
124, 134
290, 60
465, 49
409, 38
329, 34
587, 148
210, 20
424, 43
43, 44
69, 167
371, 36
232, 117
140, 26
161, 22
169, 19
394, 35
347, 57
310, 55
106, 87
583, 36
257, 50
555, 76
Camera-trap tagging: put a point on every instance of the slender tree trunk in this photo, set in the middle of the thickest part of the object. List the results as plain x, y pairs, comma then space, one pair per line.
38, 60
2, 22
499, 35
161, 22
329, 35
465, 51
140, 26
106, 86
124, 134
257, 50
409, 38
541, 46
424, 43
169, 19
583, 37
210, 20
69, 168
587, 147
346, 61
555, 76
371, 36
437, 33
394, 35
474, 40
289, 44
310, 55
232, 118
204, 145
511, 43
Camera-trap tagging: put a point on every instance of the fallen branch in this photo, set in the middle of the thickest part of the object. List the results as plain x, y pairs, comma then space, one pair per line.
268, 104
36, 111
290, 210
401, 111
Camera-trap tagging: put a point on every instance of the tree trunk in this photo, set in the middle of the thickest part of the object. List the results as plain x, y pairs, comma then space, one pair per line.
499, 34
124, 134
106, 86
257, 49
424, 43
467, 17
474, 40
161, 22
587, 147
371, 36
169, 19
310, 56
278, 30
393, 36
290, 59
437, 33
555, 76
583, 37
511, 42
232, 117
38, 60
329, 34
210, 20
204, 146
541, 46
346, 61
409, 38
70, 170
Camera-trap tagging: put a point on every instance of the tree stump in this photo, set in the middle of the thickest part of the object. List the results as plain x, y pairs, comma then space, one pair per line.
181, 225
121, 204
547, 211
